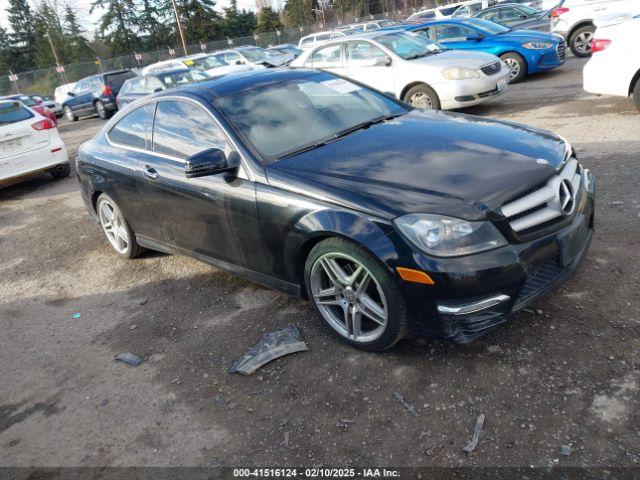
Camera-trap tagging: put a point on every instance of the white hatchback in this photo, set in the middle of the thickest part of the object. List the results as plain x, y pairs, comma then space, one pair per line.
614, 67
412, 68
29, 144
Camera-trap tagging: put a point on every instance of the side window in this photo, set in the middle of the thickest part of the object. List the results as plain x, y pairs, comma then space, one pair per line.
307, 40
131, 130
491, 15
323, 37
361, 53
231, 57
326, 57
463, 11
135, 86
182, 129
510, 15
428, 32
452, 33
81, 86
95, 84
152, 84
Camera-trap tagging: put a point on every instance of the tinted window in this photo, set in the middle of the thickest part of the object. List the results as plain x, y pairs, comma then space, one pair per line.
453, 33
115, 80
327, 57
131, 130
135, 86
12, 112
182, 129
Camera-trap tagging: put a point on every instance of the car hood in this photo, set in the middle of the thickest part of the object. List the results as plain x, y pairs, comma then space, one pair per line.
523, 36
227, 69
456, 58
435, 162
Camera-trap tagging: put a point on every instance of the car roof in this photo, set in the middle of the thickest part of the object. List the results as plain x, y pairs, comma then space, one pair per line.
209, 90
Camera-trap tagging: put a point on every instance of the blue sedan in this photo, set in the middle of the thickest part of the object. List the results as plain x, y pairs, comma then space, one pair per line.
525, 52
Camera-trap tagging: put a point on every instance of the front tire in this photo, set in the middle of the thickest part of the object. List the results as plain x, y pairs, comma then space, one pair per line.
68, 113
517, 66
422, 96
355, 296
580, 41
116, 229
636, 94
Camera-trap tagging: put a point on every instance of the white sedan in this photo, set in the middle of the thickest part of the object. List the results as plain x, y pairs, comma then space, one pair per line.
412, 68
614, 67
29, 144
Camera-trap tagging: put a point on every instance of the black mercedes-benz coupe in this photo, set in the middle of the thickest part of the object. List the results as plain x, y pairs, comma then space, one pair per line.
392, 221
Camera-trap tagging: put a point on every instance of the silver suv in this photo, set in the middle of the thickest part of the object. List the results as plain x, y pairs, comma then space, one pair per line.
573, 19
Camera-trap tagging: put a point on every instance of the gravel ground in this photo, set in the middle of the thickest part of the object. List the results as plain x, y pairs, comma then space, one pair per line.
566, 375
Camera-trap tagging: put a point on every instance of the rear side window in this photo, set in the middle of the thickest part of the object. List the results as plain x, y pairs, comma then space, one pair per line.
115, 80
13, 112
131, 130
135, 86
182, 129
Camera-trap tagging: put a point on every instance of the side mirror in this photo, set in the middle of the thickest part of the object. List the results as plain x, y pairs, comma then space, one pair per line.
71, 94
474, 37
159, 89
208, 162
238, 62
383, 61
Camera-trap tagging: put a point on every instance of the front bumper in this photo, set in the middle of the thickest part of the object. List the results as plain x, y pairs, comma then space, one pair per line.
547, 59
466, 93
476, 293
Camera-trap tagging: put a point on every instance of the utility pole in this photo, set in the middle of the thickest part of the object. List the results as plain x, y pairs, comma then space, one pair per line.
55, 56
184, 44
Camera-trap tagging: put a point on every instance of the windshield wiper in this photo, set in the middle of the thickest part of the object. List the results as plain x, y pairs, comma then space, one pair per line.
365, 125
308, 148
419, 55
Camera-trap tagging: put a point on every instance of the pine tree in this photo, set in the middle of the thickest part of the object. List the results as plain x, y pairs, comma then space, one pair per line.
199, 20
117, 24
299, 12
21, 20
268, 21
152, 23
78, 48
5, 51
238, 23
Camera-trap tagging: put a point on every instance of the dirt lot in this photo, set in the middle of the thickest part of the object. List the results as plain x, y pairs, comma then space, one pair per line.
567, 375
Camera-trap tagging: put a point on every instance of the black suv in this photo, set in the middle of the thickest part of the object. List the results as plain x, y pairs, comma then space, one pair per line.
96, 94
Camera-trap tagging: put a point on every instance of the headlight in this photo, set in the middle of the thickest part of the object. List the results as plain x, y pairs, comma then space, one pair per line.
538, 45
459, 73
449, 237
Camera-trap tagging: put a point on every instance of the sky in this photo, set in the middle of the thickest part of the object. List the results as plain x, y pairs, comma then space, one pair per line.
90, 22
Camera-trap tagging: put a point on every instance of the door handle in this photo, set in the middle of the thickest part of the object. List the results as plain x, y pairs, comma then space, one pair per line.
150, 172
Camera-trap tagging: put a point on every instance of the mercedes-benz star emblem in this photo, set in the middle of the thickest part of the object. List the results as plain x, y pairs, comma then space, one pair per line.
565, 195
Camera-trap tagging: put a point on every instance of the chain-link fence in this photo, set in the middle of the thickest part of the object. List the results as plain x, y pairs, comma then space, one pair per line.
45, 81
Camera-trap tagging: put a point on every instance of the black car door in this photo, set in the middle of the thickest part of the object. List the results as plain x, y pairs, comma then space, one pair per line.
213, 216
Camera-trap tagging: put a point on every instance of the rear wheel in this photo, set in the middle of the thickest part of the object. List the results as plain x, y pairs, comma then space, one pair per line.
61, 171
580, 42
102, 112
116, 228
636, 94
422, 96
517, 66
355, 296
69, 114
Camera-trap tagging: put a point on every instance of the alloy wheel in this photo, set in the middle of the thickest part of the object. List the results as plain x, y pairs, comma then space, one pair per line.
100, 109
582, 42
421, 100
114, 227
514, 67
349, 297
68, 113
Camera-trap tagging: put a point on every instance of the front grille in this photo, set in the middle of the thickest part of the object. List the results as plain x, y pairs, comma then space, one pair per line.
538, 282
492, 68
547, 203
561, 49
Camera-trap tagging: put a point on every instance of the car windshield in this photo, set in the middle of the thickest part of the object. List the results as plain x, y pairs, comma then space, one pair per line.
204, 63
172, 79
485, 26
409, 45
12, 112
255, 54
290, 117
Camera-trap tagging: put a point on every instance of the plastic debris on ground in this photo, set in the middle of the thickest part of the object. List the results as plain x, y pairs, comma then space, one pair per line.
408, 406
473, 443
129, 359
76, 315
273, 345
565, 450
